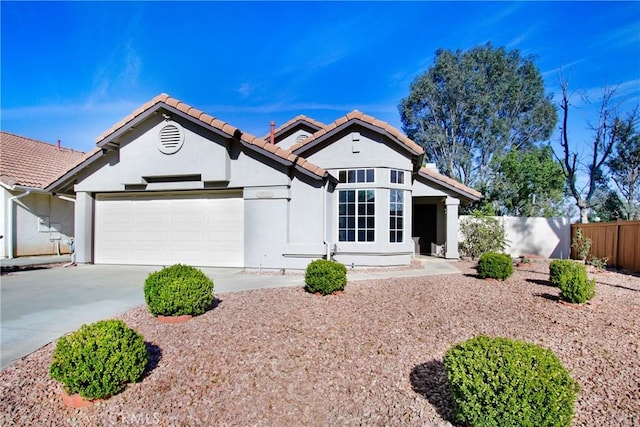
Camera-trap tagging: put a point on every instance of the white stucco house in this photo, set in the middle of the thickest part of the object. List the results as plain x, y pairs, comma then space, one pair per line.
33, 221
172, 184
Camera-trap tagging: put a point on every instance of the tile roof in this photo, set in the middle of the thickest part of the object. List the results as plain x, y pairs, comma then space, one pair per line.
31, 163
357, 115
434, 175
300, 118
248, 139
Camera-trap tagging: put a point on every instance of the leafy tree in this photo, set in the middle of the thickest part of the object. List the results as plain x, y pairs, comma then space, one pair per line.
471, 106
607, 206
605, 134
528, 182
624, 166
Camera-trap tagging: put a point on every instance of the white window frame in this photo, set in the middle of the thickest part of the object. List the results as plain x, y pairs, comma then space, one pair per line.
396, 176
393, 218
345, 176
358, 217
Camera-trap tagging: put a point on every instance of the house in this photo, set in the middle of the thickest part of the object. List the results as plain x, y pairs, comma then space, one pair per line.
172, 184
34, 222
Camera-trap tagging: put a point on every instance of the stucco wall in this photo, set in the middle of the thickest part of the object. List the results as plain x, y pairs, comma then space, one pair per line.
283, 214
547, 237
358, 149
40, 223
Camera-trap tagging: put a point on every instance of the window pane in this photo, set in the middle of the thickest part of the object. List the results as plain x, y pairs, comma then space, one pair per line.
360, 175
351, 176
351, 209
399, 237
351, 222
394, 176
392, 236
371, 209
370, 236
370, 175
351, 196
342, 235
400, 224
361, 236
362, 209
400, 177
342, 222
371, 196
362, 221
371, 222
342, 176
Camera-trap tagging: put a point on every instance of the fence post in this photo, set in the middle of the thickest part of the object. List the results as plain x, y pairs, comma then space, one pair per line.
616, 242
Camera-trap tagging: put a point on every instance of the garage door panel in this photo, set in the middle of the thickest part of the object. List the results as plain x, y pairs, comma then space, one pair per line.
198, 229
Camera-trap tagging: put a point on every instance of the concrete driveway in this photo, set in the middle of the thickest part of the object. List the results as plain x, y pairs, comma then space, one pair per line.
38, 306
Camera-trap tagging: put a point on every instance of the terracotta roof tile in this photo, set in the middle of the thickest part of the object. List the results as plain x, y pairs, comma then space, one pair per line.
357, 115
209, 120
298, 118
32, 163
450, 181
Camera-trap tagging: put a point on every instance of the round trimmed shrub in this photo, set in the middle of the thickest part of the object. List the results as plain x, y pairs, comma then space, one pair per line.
178, 290
98, 360
575, 286
495, 266
325, 277
557, 267
505, 382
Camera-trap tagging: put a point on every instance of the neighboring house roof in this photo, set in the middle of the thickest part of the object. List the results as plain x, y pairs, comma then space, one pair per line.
436, 177
298, 121
31, 163
357, 117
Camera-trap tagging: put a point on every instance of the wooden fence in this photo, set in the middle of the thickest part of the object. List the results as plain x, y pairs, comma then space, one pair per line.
618, 241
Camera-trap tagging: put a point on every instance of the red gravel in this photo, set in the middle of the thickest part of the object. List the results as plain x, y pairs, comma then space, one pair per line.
371, 355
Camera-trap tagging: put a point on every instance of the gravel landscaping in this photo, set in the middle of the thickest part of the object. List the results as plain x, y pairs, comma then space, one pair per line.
371, 355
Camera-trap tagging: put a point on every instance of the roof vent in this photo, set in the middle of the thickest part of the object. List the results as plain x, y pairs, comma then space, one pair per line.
171, 138
301, 138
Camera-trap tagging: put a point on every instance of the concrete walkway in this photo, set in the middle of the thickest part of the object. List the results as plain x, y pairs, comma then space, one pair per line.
40, 305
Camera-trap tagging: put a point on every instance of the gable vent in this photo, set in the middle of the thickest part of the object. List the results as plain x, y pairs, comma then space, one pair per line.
171, 138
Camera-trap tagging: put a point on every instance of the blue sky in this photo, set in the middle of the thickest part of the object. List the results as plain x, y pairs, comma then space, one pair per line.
71, 70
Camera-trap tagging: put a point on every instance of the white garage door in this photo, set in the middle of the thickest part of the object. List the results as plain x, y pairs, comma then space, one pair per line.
163, 229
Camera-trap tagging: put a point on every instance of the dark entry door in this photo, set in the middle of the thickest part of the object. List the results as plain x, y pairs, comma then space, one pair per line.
424, 226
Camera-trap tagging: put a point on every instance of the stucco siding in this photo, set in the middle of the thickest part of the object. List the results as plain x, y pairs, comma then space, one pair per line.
41, 224
292, 139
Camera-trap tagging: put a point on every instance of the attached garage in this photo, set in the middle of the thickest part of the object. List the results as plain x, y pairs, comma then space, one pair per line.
200, 229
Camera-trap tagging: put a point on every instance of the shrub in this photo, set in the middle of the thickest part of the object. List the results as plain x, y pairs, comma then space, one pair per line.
504, 382
98, 360
581, 244
325, 276
599, 263
178, 290
557, 268
495, 266
575, 286
481, 233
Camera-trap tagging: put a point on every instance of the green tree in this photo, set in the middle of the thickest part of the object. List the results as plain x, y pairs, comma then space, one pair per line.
528, 182
471, 106
624, 166
607, 206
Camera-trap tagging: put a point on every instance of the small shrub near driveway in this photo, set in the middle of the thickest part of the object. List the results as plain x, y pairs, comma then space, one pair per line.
575, 286
325, 277
504, 382
178, 290
495, 266
98, 360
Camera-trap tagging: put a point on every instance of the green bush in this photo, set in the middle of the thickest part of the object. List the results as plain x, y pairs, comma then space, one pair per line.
325, 277
178, 290
481, 233
504, 382
575, 286
494, 265
558, 267
98, 360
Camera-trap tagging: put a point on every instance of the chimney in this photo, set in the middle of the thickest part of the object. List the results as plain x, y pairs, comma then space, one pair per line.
273, 129
58, 144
